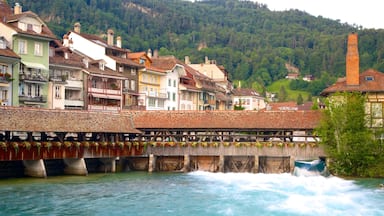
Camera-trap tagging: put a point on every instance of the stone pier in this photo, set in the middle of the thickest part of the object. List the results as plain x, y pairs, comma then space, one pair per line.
75, 166
34, 168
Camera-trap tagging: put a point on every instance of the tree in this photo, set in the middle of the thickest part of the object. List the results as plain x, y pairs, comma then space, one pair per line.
283, 95
299, 100
347, 140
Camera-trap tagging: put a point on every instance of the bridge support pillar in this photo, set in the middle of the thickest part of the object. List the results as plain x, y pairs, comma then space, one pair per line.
34, 168
256, 168
292, 163
221, 163
151, 163
75, 166
187, 163
109, 164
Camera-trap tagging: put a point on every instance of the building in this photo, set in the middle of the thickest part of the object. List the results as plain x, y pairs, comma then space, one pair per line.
219, 75
173, 70
249, 99
152, 93
66, 78
8, 59
114, 77
29, 37
369, 82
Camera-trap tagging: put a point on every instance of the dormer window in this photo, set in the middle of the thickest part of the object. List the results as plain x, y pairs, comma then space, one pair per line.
2, 43
101, 66
369, 78
121, 68
86, 62
142, 61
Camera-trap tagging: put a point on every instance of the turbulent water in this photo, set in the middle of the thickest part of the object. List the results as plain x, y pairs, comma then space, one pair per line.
197, 193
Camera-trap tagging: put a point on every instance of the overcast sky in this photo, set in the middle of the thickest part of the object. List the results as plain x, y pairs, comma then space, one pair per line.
367, 13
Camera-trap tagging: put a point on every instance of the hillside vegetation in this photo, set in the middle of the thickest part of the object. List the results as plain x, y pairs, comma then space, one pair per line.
252, 42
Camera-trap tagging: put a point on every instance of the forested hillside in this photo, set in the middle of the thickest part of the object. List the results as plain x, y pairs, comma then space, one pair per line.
252, 42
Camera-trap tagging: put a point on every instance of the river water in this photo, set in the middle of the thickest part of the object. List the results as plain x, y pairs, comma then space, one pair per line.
196, 193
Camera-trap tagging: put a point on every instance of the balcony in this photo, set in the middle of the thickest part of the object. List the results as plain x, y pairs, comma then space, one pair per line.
74, 85
96, 107
33, 99
162, 95
33, 77
74, 102
104, 91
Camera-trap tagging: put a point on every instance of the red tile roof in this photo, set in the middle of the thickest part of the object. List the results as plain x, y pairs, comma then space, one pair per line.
11, 21
126, 61
29, 119
8, 53
376, 84
226, 119
245, 92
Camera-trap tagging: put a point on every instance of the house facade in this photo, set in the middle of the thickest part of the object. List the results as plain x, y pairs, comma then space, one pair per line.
369, 82
152, 92
29, 37
9, 60
249, 99
66, 78
113, 80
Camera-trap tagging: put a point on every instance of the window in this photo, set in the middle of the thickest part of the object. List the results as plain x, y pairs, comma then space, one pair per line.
151, 102
133, 71
369, 78
22, 47
160, 103
169, 95
94, 83
37, 91
57, 92
174, 96
29, 90
133, 85
38, 49
169, 82
2, 43
126, 84
142, 61
121, 69
174, 83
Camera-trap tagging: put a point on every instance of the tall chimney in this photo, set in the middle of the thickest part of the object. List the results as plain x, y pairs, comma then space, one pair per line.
77, 28
110, 35
352, 62
65, 40
118, 41
186, 60
149, 53
18, 9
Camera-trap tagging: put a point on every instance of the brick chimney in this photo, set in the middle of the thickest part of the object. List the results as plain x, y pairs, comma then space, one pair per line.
18, 9
352, 62
77, 28
110, 35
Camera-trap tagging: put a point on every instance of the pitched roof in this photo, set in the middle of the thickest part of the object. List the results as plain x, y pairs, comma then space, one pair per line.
98, 40
226, 119
245, 92
369, 81
11, 21
19, 119
165, 62
8, 53
126, 61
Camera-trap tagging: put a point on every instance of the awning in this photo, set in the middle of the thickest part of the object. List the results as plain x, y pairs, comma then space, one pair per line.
115, 97
34, 65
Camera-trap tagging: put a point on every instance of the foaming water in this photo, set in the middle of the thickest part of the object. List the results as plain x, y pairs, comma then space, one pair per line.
196, 193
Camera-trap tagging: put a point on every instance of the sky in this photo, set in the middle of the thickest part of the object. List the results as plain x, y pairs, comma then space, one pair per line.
366, 13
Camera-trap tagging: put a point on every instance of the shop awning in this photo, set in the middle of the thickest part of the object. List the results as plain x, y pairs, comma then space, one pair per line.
34, 65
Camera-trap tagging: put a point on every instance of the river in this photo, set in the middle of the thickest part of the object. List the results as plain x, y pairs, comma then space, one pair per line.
187, 194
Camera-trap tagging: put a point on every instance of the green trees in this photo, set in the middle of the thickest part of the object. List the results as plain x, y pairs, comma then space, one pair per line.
252, 42
351, 146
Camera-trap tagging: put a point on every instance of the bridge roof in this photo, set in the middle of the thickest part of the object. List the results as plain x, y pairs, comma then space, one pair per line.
39, 120
270, 120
